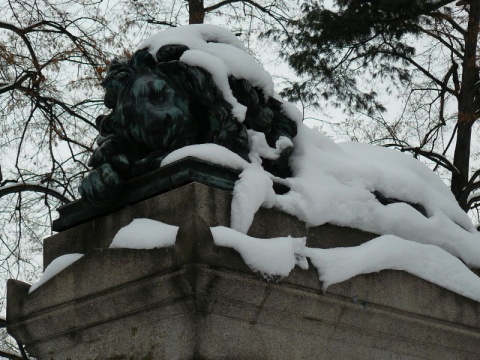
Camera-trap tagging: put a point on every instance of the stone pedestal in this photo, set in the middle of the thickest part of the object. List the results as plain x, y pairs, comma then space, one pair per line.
200, 301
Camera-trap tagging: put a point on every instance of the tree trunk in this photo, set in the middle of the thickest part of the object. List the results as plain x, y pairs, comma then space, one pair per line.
461, 160
466, 107
196, 11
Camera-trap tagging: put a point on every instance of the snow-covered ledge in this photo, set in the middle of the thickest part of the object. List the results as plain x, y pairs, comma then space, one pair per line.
195, 288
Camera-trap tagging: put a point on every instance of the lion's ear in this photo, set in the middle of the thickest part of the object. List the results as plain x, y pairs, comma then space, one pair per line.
171, 52
142, 59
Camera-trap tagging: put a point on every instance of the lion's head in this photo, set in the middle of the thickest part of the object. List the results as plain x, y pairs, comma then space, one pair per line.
160, 105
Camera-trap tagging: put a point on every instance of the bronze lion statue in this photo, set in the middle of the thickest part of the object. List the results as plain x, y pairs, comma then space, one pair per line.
160, 105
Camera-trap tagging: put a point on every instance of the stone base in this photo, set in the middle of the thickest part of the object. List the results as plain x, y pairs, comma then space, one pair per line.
200, 301
177, 206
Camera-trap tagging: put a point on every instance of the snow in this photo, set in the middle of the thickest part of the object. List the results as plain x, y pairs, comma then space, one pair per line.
428, 262
290, 110
209, 152
220, 73
398, 175
145, 234
271, 257
331, 183
54, 268
260, 148
218, 51
276, 257
253, 189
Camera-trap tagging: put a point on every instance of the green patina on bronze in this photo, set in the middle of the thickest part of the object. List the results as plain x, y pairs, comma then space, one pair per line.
161, 105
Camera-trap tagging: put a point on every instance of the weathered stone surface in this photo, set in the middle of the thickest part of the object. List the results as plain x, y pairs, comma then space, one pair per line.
175, 206
202, 311
196, 300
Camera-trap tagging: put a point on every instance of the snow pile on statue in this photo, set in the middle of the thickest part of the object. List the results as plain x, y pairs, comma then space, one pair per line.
160, 103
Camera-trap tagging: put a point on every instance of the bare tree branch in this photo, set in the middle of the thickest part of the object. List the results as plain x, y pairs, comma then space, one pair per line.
39, 188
